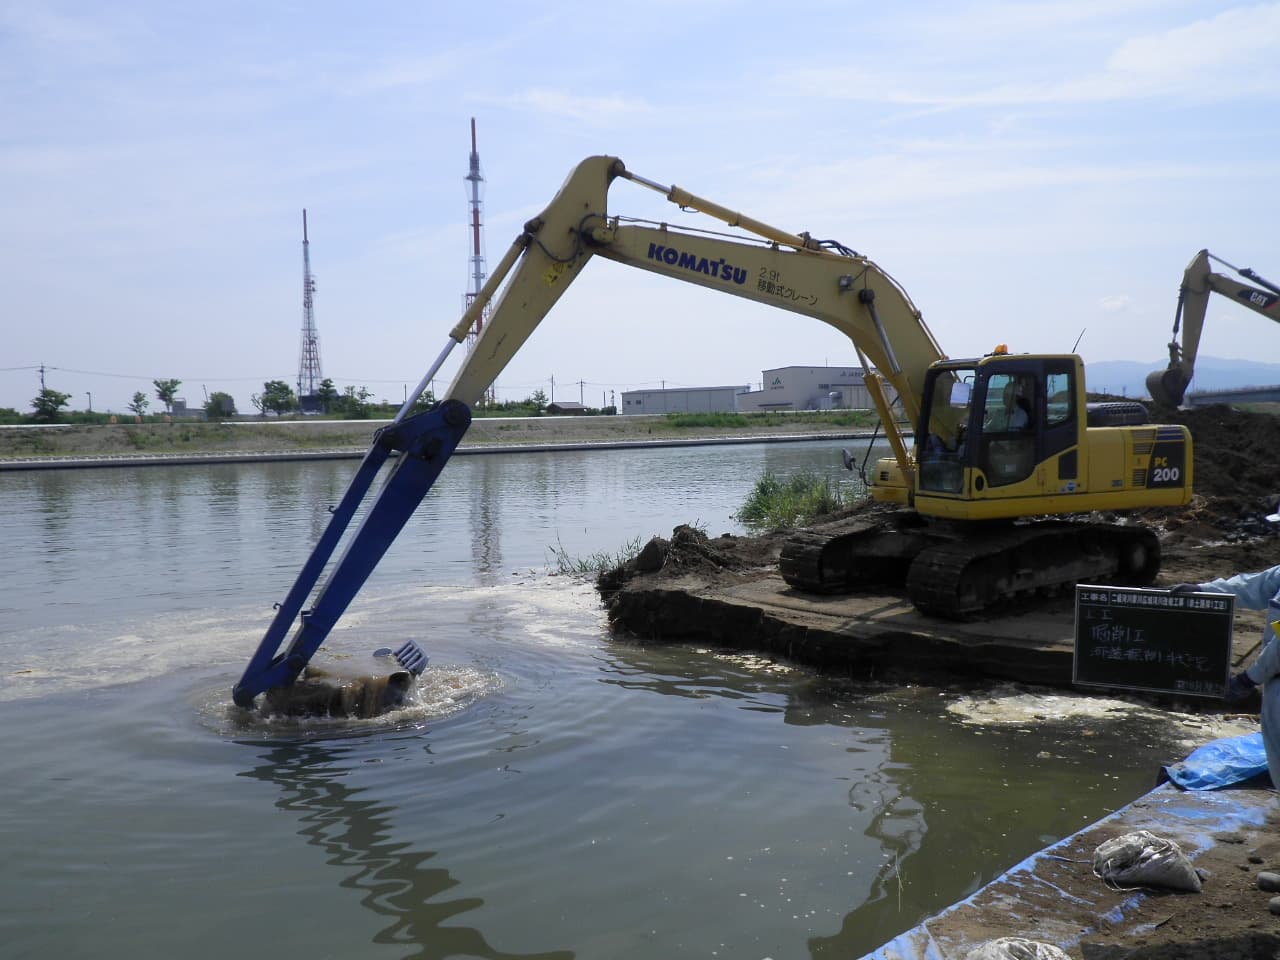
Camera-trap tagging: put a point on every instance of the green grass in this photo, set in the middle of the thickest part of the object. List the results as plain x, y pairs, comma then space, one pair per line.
793, 501
562, 562
731, 421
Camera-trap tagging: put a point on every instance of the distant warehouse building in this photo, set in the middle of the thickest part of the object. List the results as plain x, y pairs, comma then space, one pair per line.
810, 388
566, 408
783, 388
682, 400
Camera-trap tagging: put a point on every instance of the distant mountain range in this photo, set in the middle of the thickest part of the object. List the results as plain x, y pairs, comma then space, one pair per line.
1126, 378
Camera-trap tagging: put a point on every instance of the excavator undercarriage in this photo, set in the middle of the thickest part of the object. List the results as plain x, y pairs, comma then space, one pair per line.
967, 571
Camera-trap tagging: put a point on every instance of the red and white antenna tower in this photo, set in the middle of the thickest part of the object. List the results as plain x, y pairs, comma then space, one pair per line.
478, 274
309, 375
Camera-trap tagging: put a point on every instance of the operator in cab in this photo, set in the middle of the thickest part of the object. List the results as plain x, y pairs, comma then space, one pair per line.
1013, 411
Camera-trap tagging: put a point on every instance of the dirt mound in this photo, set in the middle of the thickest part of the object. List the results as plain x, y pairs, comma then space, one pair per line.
689, 551
1236, 454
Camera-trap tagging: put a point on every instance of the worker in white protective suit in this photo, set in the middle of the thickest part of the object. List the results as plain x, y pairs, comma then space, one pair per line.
1256, 591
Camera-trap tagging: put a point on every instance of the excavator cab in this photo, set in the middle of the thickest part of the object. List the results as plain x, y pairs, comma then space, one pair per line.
1012, 435
989, 423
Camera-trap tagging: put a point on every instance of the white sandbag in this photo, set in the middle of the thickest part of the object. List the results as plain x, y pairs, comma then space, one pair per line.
1015, 948
1141, 859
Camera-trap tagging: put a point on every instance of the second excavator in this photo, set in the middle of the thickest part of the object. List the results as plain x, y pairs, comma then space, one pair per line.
990, 455
1168, 387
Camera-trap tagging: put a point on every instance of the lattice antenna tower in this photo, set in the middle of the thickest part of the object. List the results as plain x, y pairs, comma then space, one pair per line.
309, 375
475, 180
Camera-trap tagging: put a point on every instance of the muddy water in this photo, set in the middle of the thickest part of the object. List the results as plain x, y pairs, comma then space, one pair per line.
554, 793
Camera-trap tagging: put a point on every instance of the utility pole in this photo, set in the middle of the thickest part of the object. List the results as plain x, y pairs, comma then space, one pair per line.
553, 388
89, 394
581, 383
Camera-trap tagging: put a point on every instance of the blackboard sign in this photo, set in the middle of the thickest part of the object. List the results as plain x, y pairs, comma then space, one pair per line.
1149, 639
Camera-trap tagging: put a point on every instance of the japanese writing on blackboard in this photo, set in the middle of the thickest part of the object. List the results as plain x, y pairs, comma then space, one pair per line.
1161, 598
1152, 639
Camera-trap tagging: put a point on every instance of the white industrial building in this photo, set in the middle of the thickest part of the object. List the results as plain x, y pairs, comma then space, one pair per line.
810, 388
782, 388
682, 400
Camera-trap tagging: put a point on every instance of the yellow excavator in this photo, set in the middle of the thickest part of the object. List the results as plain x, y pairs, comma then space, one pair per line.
1168, 387
985, 450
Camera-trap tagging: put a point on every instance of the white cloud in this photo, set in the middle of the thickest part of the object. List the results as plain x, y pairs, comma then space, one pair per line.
1241, 46
560, 103
1231, 55
68, 40
416, 72
1116, 303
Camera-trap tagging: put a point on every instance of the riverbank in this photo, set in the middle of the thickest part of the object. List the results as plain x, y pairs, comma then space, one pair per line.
188, 442
1054, 897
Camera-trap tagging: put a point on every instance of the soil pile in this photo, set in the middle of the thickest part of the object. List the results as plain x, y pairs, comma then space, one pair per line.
1235, 480
1224, 529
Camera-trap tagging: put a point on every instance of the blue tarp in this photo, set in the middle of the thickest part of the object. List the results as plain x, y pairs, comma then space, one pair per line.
1220, 764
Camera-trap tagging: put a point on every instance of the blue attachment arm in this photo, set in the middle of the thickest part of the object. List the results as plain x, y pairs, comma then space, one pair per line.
425, 443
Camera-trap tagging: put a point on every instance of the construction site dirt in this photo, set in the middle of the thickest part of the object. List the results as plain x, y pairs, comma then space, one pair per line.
726, 590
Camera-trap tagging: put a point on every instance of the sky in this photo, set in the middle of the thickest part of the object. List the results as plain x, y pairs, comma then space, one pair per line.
1036, 174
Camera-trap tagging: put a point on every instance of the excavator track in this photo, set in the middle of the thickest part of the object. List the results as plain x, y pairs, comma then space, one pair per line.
848, 554
966, 575
972, 577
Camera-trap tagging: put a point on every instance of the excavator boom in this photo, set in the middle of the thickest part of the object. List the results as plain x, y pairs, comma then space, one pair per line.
1168, 387
791, 271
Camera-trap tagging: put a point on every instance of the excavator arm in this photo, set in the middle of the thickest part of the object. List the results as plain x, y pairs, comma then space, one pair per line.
791, 271
1168, 387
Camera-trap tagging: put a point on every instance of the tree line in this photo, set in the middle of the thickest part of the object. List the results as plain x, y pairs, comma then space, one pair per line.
278, 399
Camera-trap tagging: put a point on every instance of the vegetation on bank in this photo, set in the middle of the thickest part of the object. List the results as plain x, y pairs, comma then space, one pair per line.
780, 502
774, 503
564, 562
853, 419
89, 435
277, 399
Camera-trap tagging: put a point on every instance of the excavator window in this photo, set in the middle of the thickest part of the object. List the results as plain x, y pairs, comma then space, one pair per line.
1010, 403
942, 452
1009, 423
1060, 407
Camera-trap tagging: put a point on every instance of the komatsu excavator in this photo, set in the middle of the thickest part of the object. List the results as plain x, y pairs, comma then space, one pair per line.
1168, 387
984, 450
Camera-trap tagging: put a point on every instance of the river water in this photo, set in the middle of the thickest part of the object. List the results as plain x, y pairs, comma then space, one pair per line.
556, 791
